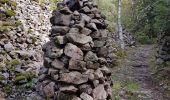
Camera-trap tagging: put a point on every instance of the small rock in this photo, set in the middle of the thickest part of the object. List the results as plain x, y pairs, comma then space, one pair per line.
99, 93
77, 65
85, 96
49, 89
68, 89
60, 29
57, 64
73, 51
90, 56
8, 47
78, 38
73, 78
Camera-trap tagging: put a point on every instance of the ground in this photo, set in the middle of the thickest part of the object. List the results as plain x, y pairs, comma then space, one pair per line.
133, 80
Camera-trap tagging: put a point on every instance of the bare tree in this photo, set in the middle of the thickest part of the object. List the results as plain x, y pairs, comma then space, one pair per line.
120, 31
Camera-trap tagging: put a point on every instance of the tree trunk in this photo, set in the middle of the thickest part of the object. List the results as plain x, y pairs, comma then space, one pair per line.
122, 44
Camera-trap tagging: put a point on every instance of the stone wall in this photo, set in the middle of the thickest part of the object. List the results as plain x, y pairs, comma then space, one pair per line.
79, 54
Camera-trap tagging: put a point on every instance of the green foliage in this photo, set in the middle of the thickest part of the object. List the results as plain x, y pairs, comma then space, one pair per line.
7, 89
10, 13
4, 1
132, 86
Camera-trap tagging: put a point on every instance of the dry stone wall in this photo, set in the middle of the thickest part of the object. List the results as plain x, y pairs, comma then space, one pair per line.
79, 54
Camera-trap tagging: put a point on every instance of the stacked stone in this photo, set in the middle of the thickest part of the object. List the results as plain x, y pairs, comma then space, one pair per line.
78, 56
164, 44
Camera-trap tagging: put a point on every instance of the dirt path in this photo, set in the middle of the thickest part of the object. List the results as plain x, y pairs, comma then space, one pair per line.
134, 80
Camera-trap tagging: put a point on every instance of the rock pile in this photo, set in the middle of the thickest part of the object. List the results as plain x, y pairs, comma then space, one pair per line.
164, 44
24, 29
78, 56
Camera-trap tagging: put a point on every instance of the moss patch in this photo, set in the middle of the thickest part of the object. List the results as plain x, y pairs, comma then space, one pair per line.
24, 76
10, 13
7, 89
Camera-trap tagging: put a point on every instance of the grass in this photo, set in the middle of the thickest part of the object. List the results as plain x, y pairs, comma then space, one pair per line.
132, 86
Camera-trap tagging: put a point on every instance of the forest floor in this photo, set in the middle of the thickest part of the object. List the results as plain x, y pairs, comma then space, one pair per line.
133, 80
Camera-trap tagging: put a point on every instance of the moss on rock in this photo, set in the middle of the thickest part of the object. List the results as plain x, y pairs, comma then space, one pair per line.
10, 13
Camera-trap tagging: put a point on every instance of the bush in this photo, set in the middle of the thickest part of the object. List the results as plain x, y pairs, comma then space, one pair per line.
145, 40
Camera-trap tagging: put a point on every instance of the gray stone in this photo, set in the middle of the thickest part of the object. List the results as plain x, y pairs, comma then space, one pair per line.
74, 30
99, 93
85, 96
86, 31
60, 19
77, 65
57, 64
86, 18
98, 74
92, 65
105, 70
92, 26
79, 39
86, 47
98, 43
86, 88
68, 89
90, 56
8, 47
49, 89
60, 29
73, 78
73, 51
55, 52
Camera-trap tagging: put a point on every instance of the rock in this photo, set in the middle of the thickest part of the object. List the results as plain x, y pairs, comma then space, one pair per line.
98, 74
86, 88
86, 18
85, 10
73, 78
90, 56
60, 19
86, 47
102, 60
52, 71
76, 98
103, 52
99, 93
59, 29
95, 83
65, 10
73, 51
92, 65
57, 64
86, 31
77, 65
79, 25
68, 89
61, 40
99, 44
76, 13
47, 62
92, 26
55, 52
79, 39
105, 70
8, 47
49, 89
99, 24
85, 96
74, 30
